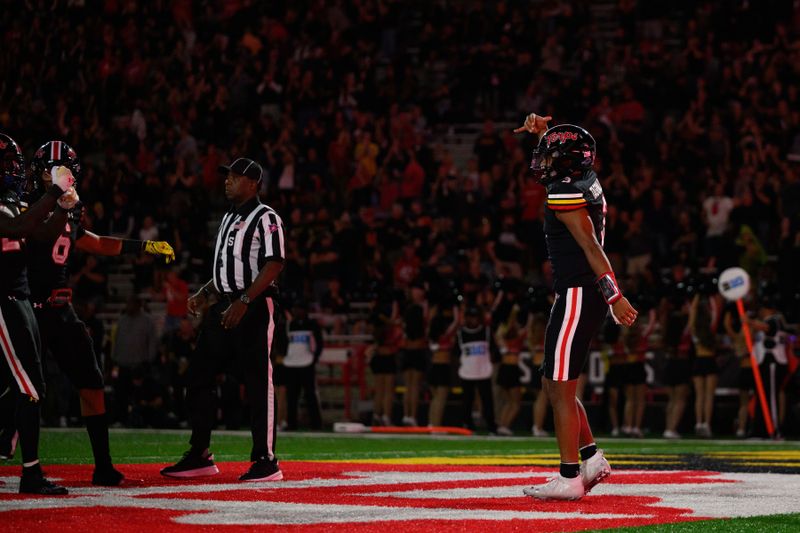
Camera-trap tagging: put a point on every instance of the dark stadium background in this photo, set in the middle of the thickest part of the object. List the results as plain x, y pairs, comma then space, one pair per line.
384, 127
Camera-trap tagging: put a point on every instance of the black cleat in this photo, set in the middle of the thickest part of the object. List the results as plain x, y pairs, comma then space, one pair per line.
192, 464
263, 470
107, 477
36, 483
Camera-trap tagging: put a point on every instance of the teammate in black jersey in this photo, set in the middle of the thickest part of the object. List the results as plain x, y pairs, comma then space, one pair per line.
585, 290
62, 332
21, 377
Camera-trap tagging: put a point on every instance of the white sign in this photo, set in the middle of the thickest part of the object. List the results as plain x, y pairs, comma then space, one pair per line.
734, 283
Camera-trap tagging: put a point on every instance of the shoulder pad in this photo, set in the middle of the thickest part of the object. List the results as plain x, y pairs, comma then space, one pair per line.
590, 186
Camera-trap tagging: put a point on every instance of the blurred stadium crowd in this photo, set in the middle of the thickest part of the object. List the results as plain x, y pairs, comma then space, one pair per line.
349, 105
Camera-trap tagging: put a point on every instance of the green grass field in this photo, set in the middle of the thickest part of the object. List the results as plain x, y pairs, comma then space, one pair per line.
137, 446
72, 447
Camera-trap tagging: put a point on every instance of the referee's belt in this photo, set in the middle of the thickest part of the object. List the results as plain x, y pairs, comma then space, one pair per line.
57, 298
230, 297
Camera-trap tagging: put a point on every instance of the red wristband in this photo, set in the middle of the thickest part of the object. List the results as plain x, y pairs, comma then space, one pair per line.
608, 287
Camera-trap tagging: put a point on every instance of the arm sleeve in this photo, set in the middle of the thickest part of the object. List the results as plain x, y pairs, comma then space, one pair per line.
272, 229
565, 197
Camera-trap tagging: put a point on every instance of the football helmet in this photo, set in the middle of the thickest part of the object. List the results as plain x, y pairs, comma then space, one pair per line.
565, 150
12, 165
50, 154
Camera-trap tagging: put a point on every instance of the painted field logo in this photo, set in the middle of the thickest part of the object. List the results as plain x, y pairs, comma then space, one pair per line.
375, 497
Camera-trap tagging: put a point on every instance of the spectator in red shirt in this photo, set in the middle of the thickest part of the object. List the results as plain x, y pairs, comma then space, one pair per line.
413, 179
406, 269
176, 293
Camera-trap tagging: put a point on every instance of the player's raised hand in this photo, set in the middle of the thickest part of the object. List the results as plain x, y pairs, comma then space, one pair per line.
534, 124
69, 199
162, 248
62, 177
623, 312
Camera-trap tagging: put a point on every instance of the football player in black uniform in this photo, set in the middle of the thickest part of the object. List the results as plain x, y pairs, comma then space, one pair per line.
62, 332
22, 377
585, 289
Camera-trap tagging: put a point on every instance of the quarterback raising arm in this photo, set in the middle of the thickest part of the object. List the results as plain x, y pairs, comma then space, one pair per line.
585, 288
582, 230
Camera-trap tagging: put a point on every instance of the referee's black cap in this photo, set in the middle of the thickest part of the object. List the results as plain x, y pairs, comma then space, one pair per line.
243, 167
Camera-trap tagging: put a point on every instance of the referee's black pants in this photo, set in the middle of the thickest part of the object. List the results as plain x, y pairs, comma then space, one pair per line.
302, 378
246, 350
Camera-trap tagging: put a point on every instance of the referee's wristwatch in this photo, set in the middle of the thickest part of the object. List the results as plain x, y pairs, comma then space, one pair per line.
244, 298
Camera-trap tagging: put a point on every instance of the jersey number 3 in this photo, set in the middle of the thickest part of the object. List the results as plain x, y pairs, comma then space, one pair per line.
61, 248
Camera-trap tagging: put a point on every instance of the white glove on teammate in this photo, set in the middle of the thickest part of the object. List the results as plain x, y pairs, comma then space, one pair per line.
62, 177
69, 199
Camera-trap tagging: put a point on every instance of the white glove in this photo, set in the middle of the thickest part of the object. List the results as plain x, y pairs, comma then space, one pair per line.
69, 199
62, 177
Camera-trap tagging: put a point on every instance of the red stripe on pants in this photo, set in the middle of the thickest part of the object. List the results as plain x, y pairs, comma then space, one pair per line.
270, 388
22, 378
562, 373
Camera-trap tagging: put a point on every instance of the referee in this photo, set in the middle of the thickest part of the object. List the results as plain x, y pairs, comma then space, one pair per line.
238, 326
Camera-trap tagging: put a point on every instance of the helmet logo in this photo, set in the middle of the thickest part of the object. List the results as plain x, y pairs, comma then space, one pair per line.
3, 144
561, 137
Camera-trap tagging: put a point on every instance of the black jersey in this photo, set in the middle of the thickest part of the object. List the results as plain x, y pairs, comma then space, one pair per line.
570, 266
48, 262
13, 275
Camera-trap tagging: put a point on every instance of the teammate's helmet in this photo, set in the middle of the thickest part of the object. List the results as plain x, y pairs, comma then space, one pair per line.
563, 151
12, 165
50, 154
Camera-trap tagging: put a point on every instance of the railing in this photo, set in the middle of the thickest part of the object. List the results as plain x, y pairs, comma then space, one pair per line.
349, 356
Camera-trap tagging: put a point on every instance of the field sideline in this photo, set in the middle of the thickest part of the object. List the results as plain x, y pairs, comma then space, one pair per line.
71, 446
438, 480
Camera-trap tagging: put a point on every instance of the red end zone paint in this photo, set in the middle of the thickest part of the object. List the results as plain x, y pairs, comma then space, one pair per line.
359, 497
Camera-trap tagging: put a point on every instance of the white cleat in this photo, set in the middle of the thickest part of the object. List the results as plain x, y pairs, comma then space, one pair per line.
537, 432
557, 488
410, 421
594, 470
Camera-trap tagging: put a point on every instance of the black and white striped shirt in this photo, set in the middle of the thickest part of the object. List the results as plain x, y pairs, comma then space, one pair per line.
248, 237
